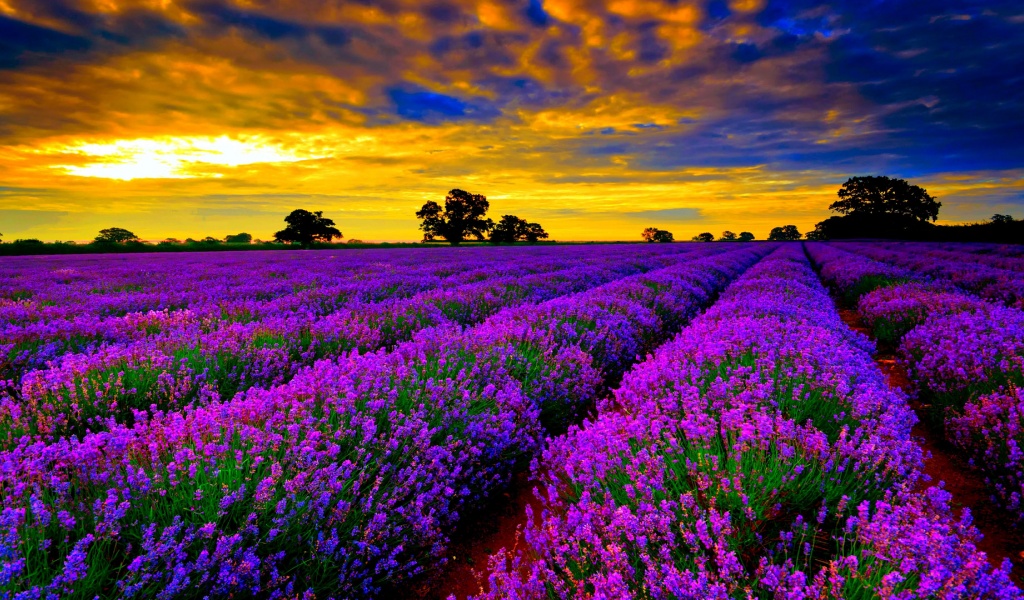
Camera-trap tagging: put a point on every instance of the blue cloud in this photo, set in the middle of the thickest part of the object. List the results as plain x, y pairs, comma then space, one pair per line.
536, 14
432, 107
268, 27
20, 40
746, 53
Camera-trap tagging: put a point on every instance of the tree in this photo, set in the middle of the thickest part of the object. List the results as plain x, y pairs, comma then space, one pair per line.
820, 232
306, 227
170, 242
653, 234
115, 235
746, 236
533, 233
879, 195
463, 215
786, 233
707, 236
513, 229
727, 236
238, 238
1002, 219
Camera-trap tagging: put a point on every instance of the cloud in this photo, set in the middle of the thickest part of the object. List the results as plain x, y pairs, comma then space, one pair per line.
669, 214
432, 107
18, 221
566, 101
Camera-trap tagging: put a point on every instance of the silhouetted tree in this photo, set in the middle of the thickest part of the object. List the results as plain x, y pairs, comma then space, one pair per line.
1002, 219
818, 233
115, 235
727, 236
238, 238
170, 242
885, 196
463, 214
512, 229
707, 236
306, 227
786, 233
653, 234
746, 236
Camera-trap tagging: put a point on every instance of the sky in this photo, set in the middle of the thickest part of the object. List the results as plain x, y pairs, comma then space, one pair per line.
595, 118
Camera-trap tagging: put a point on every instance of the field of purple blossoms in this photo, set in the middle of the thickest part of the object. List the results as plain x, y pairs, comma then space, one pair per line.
318, 424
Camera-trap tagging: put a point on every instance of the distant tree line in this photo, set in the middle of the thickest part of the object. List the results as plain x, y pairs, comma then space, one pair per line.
464, 215
727, 236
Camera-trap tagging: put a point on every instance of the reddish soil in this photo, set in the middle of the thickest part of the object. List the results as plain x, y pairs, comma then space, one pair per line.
944, 464
498, 526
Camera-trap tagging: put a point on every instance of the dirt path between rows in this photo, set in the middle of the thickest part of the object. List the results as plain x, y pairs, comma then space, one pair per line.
498, 525
1001, 539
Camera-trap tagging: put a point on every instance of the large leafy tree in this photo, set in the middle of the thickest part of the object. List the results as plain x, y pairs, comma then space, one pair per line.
746, 236
786, 233
885, 196
728, 236
115, 235
707, 236
512, 229
306, 227
463, 215
653, 234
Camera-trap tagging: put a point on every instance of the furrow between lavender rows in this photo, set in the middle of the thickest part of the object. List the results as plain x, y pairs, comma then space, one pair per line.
964, 357
189, 365
347, 479
760, 453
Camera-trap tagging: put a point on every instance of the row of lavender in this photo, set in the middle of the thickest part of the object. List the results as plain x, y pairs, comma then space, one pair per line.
759, 454
964, 356
994, 277
50, 308
346, 481
179, 360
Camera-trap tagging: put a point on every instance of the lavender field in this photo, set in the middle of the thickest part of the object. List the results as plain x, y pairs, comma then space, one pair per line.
697, 420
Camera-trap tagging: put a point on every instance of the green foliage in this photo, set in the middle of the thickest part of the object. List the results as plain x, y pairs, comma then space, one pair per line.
707, 236
238, 238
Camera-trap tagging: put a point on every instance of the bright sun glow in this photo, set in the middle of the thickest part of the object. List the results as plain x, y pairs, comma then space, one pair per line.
173, 157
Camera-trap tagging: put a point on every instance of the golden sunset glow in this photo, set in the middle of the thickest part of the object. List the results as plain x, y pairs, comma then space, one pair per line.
170, 158
596, 118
